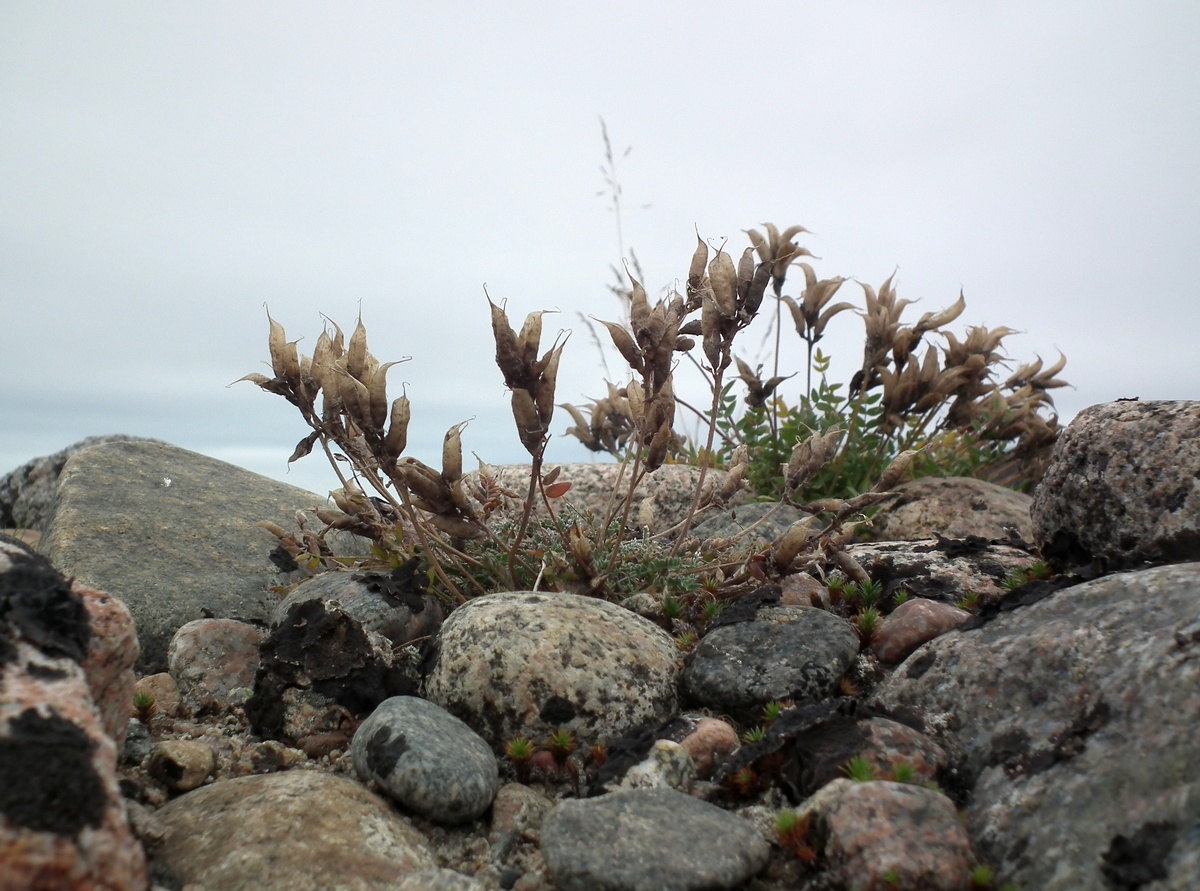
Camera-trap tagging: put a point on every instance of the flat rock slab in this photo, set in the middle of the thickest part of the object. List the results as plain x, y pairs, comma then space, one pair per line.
171, 533
649, 840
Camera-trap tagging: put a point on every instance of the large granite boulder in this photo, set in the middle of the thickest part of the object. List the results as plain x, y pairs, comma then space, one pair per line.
1123, 486
1072, 727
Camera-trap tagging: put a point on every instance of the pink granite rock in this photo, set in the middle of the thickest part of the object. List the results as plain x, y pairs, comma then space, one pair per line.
210, 658
911, 624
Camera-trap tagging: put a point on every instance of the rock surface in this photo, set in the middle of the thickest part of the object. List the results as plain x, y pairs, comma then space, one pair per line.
63, 821
170, 533
1123, 486
426, 759
527, 664
953, 507
777, 652
645, 840
1073, 725
285, 831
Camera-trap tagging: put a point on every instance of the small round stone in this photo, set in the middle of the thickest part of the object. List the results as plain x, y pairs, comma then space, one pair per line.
426, 759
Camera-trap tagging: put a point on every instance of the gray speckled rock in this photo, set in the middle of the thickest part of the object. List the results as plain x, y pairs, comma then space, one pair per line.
953, 507
1072, 725
526, 664
169, 551
426, 759
649, 840
785, 652
1123, 486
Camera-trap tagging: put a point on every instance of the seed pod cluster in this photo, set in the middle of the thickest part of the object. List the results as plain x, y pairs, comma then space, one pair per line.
531, 379
729, 297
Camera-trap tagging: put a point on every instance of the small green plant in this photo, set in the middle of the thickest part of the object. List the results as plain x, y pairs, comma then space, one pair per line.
794, 834
900, 597
520, 752
1015, 579
867, 624
672, 607
866, 593
686, 641
561, 744
754, 735
904, 772
144, 705
982, 877
969, 601
891, 877
1039, 570
771, 712
860, 769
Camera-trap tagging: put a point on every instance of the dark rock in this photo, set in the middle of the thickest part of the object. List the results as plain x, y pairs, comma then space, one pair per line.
785, 652
426, 759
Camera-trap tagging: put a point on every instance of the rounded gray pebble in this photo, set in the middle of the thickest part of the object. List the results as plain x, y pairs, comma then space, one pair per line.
646, 840
426, 759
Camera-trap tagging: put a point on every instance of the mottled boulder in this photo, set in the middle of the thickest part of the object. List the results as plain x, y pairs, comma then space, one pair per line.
773, 652
526, 664
1123, 486
214, 661
952, 507
426, 759
649, 840
63, 822
881, 835
1071, 723
171, 533
283, 831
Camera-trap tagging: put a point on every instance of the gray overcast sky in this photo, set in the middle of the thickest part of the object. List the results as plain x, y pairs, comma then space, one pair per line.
166, 169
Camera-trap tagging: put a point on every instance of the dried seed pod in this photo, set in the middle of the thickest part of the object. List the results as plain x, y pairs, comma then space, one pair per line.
455, 526
544, 398
530, 337
356, 354
285, 361
377, 394
427, 485
758, 287
635, 395
452, 457
792, 542
723, 281
508, 350
397, 435
529, 426
639, 307
745, 274
696, 269
809, 456
625, 344
896, 470
656, 454
357, 402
